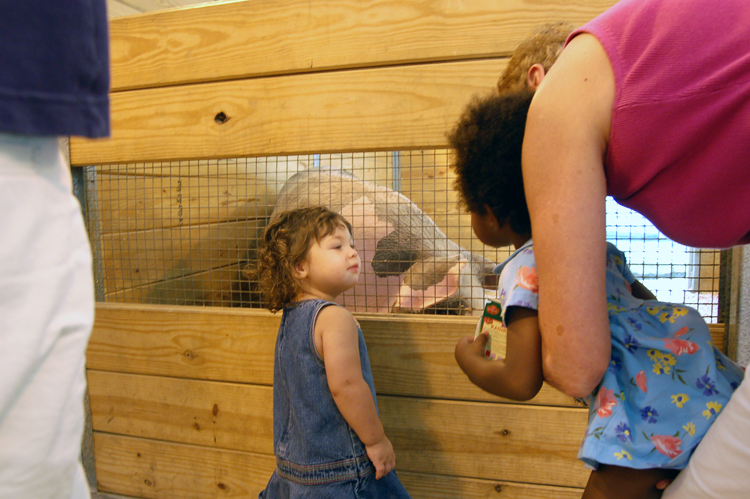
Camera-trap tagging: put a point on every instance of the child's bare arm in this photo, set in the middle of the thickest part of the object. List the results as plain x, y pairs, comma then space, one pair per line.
338, 344
641, 292
615, 482
519, 375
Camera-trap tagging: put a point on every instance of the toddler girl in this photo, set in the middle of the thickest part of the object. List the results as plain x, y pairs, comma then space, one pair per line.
665, 383
328, 439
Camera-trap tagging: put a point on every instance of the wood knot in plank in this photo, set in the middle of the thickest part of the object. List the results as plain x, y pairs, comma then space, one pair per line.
221, 118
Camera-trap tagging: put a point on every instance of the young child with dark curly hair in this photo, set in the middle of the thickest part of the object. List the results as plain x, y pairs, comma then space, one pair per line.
666, 381
328, 438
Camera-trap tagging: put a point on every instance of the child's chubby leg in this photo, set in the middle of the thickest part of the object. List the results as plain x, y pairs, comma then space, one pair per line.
617, 482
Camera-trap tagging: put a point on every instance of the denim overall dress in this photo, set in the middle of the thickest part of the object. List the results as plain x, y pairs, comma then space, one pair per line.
318, 455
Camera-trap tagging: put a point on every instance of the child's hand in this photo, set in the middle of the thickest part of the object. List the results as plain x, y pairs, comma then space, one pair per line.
469, 350
382, 456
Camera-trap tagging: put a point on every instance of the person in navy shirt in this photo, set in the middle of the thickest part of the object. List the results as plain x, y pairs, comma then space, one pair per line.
54, 82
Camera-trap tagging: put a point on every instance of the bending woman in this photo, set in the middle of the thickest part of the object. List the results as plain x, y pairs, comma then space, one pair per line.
648, 103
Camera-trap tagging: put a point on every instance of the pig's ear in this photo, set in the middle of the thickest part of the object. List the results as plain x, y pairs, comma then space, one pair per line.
412, 299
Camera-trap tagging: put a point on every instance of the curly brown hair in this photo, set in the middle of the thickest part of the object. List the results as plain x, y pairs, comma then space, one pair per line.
543, 47
487, 142
285, 242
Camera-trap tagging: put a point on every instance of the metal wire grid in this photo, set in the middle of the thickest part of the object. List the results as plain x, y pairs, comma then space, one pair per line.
180, 233
673, 272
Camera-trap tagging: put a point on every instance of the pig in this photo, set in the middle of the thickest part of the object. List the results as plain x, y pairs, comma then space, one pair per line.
408, 264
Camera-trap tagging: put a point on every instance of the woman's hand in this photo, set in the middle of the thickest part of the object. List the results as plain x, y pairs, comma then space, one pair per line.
382, 456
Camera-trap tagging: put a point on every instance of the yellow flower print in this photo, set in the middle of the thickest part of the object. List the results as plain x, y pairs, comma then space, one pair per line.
655, 354
617, 260
623, 454
712, 409
679, 312
680, 399
666, 316
653, 310
659, 368
611, 307
689, 428
669, 359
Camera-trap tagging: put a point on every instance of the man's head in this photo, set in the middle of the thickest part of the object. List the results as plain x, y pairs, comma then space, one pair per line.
534, 57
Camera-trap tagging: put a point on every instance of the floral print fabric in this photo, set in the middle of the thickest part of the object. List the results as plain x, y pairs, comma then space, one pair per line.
665, 384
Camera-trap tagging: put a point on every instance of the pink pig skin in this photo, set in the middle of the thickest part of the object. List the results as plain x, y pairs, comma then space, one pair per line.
408, 263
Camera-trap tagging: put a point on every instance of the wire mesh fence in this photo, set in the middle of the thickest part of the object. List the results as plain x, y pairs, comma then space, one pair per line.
181, 233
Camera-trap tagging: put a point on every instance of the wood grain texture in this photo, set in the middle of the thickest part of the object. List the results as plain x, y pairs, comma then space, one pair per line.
510, 442
164, 470
140, 202
131, 259
222, 415
410, 355
272, 37
210, 343
382, 109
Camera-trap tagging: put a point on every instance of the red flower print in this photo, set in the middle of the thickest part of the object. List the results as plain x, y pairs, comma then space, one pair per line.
493, 309
640, 380
667, 445
683, 330
527, 278
678, 347
605, 401
488, 320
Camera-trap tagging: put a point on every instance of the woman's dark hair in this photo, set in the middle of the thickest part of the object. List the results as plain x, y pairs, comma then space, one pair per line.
487, 141
285, 242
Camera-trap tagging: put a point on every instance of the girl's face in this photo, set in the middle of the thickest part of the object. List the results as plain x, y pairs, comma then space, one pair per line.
330, 267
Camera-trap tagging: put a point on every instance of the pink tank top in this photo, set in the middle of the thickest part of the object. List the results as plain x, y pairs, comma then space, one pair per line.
679, 149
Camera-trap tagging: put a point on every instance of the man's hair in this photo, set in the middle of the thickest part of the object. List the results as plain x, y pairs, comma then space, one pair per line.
285, 242
487, 140
543, 47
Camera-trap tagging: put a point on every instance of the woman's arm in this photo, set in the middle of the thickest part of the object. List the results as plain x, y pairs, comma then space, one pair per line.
337, 342
519, 375
563, 152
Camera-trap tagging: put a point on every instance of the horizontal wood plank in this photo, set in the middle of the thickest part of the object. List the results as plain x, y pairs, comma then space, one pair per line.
136, 202
495, 441
211, 288
131, 259
270, 37
410, 355
222, 415
164, 470
202, 343
154, 469
385, 109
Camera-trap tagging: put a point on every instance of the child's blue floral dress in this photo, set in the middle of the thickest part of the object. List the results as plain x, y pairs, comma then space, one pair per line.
666, 382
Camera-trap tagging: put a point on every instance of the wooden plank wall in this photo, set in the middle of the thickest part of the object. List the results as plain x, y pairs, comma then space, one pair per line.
181, 404
181, 396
